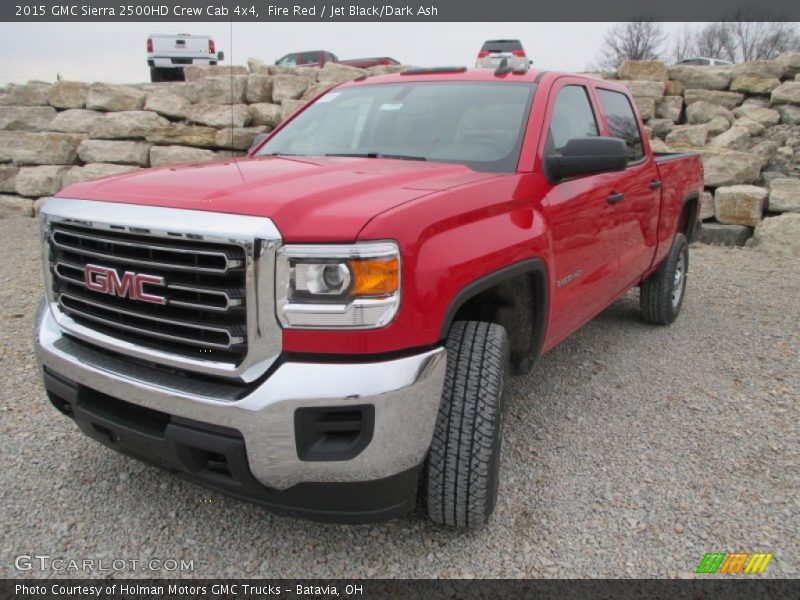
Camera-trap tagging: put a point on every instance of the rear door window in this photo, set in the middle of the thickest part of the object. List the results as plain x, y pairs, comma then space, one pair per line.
622, 121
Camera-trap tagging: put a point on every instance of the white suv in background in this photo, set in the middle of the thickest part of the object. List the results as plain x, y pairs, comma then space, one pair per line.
493, 52
168, 54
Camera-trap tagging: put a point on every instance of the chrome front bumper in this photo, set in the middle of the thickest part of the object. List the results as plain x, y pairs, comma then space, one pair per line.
404, 391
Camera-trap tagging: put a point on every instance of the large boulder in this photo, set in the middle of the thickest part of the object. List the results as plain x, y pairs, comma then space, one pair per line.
790, 114
289, 107
288, 87
316, 89
661, 127
718, 234
68, 94
34, 93
95, 171
669, 107
786, 93
754, 85
729, 100
184, 89
239, 138
646, 106
739, 204
766, 151
40, 181
706, 206
765, 69
718, 125
259, 88
640, 70
183, 135
729, 167
8, 177
26, 118
309, 73
162, 156
112, 98
687, 135
765, 117
219, 115
790, 61
124, 153
167, 103
753, 128
784, 161
735, 138
645, 89
658, 145
196, 73
25, 148
221, 90
127, 125
779, 236
784, 195
704, 78
15, 206
703, 112
76, 120
339, 73
674, 88
265, 114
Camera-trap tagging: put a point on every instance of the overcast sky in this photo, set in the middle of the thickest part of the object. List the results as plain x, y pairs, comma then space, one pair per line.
115, 52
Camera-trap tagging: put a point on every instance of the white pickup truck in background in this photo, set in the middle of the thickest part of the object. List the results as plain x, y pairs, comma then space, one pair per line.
168, 54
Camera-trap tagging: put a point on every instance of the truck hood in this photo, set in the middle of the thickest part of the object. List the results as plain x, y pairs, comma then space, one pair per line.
308, 198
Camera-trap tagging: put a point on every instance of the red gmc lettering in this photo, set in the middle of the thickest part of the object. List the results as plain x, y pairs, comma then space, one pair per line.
131, 285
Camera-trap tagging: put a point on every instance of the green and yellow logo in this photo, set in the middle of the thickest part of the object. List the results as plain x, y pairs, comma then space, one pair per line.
733, 564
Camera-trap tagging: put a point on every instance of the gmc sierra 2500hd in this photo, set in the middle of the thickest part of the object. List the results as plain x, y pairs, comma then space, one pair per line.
327, 325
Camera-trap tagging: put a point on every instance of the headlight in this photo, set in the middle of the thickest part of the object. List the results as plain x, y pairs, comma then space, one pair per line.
338, 286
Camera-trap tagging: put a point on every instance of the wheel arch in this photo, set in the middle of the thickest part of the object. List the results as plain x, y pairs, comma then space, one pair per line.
515, 296
687, 223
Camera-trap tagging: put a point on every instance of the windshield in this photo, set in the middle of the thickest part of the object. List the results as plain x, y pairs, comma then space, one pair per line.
480, 125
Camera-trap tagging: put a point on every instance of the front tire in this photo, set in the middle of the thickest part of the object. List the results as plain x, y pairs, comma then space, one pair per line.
461, 472
661, 295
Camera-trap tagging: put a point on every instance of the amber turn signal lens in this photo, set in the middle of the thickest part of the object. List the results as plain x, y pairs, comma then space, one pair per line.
375, 277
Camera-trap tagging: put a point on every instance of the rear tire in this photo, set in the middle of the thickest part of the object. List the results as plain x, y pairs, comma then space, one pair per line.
156, 75
661, 295
461, 472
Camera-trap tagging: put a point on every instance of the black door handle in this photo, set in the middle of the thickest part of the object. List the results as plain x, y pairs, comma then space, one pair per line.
614, 198
654, 185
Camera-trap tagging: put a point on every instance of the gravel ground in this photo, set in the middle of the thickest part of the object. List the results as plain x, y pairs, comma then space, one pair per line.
630, 451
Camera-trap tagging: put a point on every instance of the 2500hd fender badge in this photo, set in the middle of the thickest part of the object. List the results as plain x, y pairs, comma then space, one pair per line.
569, 278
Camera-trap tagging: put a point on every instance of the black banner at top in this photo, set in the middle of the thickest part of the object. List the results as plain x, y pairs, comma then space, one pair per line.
397, 10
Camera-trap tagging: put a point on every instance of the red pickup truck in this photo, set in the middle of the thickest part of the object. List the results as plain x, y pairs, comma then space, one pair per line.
326, 327
318, 58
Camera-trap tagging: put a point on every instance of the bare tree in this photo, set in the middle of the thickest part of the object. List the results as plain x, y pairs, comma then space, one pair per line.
683, 44
634, 40
737, 40
759, 40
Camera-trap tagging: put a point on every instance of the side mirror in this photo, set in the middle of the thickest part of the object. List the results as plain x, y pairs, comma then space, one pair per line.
586, 156
220, 55
257, 141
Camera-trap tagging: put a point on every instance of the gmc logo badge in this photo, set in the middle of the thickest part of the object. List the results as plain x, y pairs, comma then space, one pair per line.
131, 285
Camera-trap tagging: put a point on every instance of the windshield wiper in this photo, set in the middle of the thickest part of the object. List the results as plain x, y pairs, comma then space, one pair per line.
376, 155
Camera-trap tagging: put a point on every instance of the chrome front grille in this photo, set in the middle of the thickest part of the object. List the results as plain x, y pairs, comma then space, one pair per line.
186, 298
204, 310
